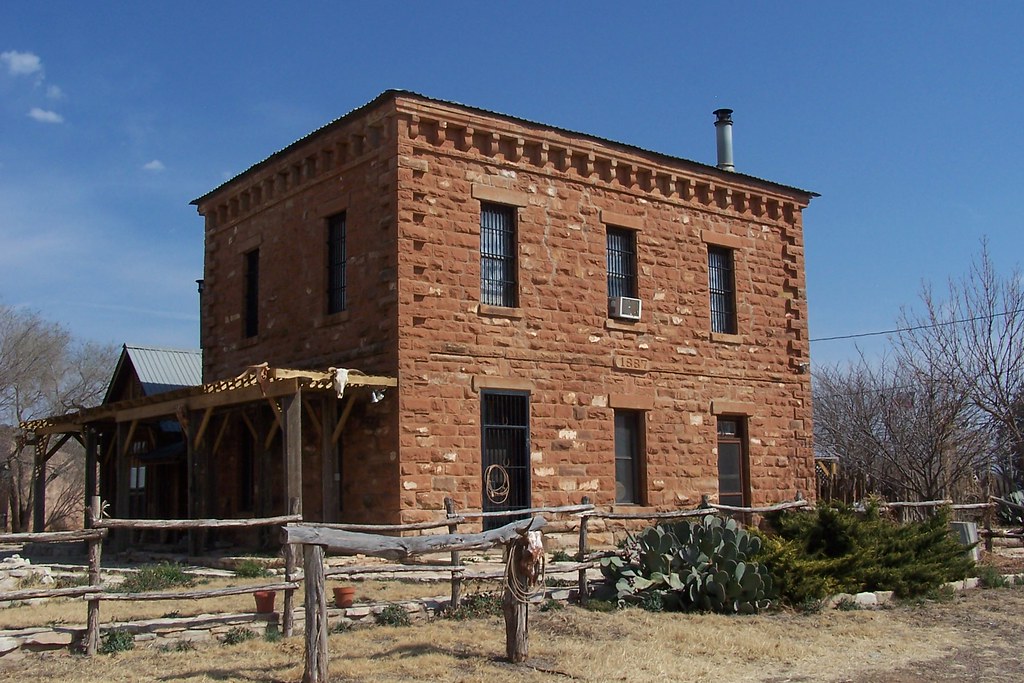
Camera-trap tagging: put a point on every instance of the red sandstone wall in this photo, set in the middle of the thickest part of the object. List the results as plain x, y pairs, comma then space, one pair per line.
560, 343
411, 183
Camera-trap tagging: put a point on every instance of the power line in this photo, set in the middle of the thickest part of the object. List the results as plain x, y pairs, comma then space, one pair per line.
919, 327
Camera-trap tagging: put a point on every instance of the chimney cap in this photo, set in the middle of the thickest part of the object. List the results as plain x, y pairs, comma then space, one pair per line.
723, 115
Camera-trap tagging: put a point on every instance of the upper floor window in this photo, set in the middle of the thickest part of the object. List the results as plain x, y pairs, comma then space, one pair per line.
498, 268
721, 284
251, 312
621, 256
336, 257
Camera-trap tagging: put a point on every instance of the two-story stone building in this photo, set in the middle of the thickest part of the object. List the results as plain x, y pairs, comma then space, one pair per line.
565, 315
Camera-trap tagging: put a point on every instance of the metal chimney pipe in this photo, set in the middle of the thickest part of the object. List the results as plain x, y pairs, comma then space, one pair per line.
723, 134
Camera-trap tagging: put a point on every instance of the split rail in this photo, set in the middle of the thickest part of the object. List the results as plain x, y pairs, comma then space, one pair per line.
296, 544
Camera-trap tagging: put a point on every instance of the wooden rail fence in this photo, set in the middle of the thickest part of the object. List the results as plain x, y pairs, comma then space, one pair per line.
310, 541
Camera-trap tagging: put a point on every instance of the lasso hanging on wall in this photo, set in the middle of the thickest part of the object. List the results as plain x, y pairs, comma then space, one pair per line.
497, 484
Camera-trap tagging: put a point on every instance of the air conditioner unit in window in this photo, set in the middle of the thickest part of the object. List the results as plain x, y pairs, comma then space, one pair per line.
625, 307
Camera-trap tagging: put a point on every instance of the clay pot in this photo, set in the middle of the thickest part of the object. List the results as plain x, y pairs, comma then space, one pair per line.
265, 601
344, 595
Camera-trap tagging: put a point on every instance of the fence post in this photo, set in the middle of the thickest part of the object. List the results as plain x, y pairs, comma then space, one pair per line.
515, 603
581, 556
316, 615
988, 524
92, 629
449, 508
288, 614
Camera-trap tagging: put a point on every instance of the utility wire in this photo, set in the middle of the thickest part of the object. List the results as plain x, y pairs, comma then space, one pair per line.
917, 327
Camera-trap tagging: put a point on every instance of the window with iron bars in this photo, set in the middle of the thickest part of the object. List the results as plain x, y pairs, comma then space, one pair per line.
498, 281
723, 291
252, 294
621, 258
336, 258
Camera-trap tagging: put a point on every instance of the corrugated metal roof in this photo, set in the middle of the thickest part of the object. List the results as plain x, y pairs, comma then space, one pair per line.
387, 94
162, 370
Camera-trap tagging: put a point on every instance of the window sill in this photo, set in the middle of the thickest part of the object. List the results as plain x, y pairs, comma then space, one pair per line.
246, 342
622, 326
331, 319
500, 311
725, 338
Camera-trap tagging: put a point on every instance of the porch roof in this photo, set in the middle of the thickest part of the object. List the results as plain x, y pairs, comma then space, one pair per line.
257, 383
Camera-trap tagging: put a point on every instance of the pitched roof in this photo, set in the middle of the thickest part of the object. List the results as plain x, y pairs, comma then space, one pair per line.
159, 370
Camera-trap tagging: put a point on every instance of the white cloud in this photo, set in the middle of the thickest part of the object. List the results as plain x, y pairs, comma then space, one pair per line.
155, 166
45, 116
21, 63
54, 92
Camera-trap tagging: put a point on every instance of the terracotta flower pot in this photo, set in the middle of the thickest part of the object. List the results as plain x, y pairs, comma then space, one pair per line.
344, 595
265, 601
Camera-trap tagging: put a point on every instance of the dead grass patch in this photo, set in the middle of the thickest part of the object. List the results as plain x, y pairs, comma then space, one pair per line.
570, 644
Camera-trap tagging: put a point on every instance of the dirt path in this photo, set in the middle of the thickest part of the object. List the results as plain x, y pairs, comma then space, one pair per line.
989, 624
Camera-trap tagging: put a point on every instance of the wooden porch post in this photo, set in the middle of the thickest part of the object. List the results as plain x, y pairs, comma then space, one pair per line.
122, 483
39, 483
292, 443
329, 458
91, 473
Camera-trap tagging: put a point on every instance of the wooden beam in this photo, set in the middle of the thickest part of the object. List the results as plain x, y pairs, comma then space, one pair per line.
345, 412
52, 450
292, 442
203, 423
251, 426
270, 435
220, 435
311, 412
127, 443
404, 547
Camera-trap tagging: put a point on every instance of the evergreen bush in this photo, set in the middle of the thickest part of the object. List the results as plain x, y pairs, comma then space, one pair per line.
834, 549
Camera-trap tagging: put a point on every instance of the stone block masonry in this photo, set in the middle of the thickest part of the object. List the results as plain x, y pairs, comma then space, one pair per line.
411, 175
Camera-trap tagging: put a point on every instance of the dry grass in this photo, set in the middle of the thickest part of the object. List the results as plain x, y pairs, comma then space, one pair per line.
73, 611
569, 644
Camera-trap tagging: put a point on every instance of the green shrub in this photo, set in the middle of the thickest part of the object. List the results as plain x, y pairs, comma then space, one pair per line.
551, 605
562, 556
155, 577
476, 606
834, 549
238, 634
272, 634
847, 605
118, 640
393, 615
601, 605
251, 569
990, 577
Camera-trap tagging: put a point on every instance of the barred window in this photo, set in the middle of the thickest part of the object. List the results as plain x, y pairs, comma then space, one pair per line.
621, 256
723, 291
498, 285
251, 314
336, 256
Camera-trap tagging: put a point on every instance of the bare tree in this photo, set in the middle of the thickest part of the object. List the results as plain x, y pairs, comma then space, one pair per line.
978, 330
899, 428
43, 371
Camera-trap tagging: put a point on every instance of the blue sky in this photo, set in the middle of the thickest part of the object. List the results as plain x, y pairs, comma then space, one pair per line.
114, 116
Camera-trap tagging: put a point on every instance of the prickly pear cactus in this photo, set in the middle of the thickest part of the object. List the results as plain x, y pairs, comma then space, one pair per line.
703, 565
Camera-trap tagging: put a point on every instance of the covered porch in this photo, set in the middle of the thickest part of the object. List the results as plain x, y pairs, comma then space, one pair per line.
268, 442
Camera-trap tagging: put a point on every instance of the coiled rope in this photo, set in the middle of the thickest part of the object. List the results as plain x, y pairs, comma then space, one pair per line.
521, 592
